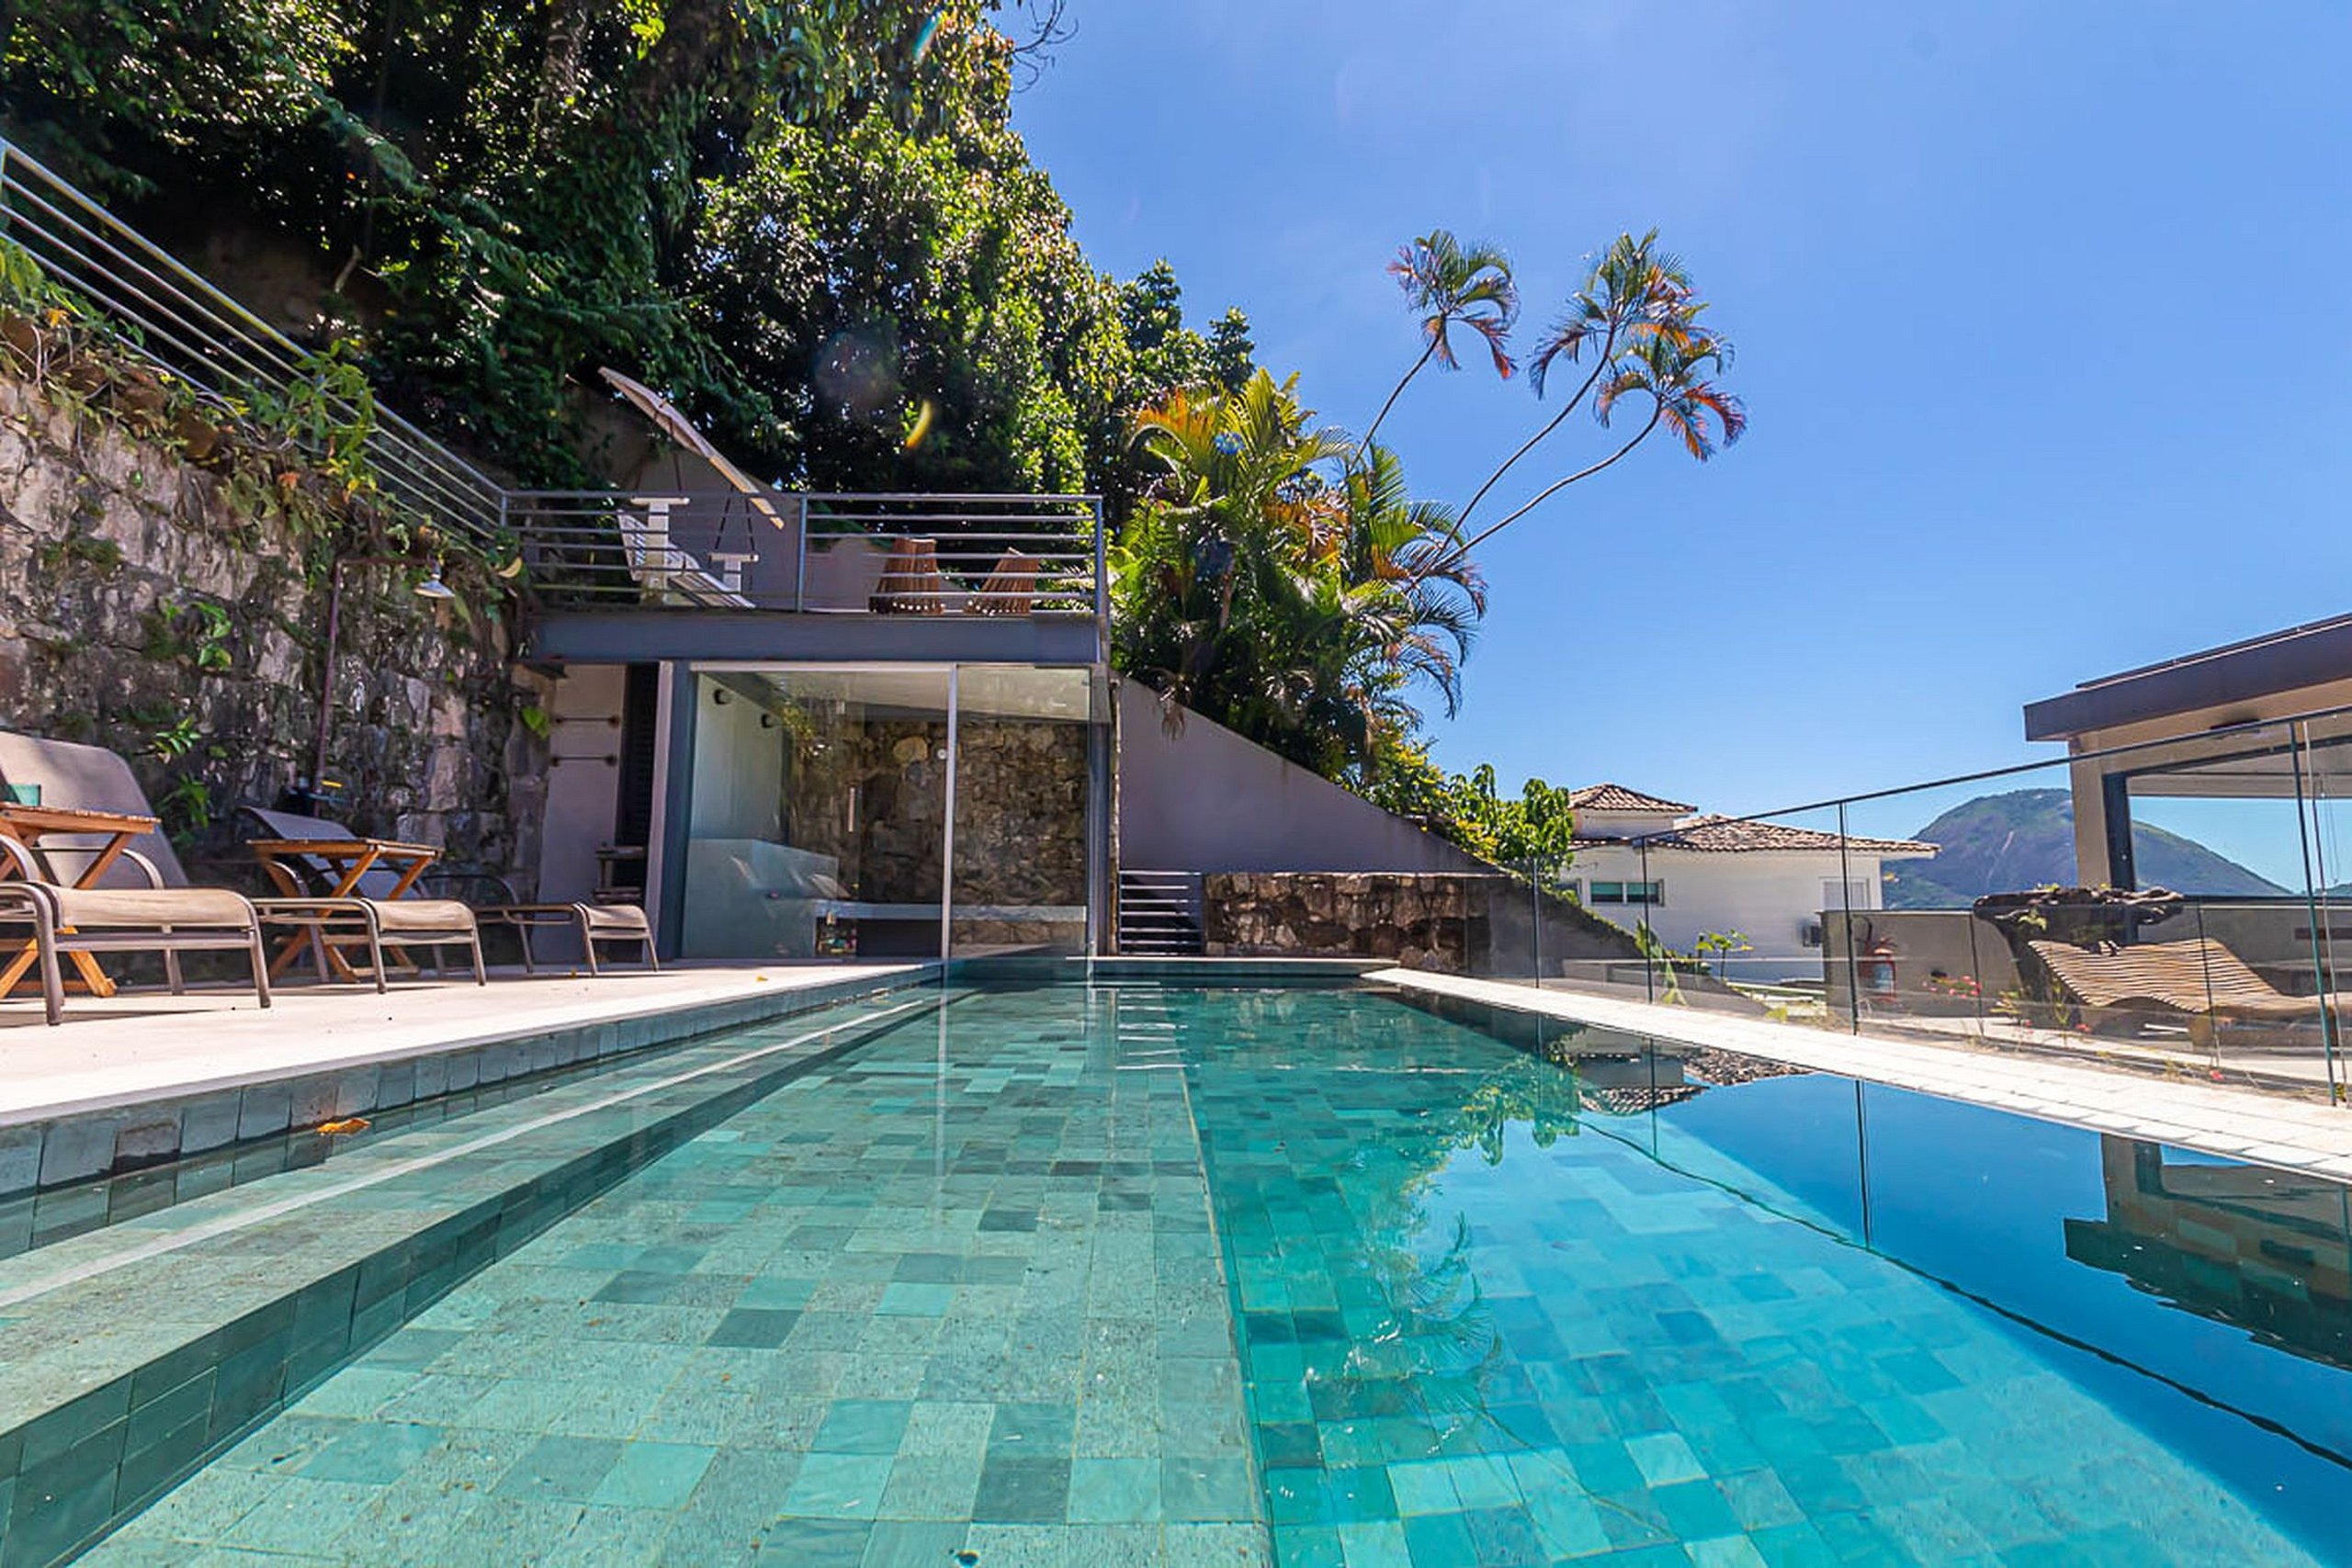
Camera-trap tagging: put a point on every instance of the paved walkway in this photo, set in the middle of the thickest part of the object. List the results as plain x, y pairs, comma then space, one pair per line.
144, 1045
2270, 1129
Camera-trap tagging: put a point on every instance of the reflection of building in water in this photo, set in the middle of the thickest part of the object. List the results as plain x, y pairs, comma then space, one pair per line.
2266, 1250
1621, 1074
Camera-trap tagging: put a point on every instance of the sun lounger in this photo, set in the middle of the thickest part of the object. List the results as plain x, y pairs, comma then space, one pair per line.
117, 899
662, 571
593, 923
2197, 978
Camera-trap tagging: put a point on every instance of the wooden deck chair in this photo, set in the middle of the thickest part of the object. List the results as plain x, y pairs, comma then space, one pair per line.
1011, 589
911, 583
142, 902
371, 915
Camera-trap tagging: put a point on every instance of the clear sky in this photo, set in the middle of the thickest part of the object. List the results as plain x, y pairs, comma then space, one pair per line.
2043, 313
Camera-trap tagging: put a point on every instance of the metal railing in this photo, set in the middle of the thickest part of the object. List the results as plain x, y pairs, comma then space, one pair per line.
159, 309
895, 553
899, 554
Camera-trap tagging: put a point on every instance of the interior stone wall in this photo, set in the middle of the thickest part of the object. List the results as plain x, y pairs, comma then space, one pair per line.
1020, 809
108, 546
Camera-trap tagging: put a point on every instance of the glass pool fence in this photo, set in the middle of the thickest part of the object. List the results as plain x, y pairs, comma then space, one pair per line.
2173, 906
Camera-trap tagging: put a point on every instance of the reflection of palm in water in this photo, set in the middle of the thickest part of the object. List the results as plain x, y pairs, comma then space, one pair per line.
1439, 1359
1440, 1346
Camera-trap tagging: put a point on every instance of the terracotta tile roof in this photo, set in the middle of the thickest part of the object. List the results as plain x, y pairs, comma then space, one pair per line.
1726, 835
1617, 797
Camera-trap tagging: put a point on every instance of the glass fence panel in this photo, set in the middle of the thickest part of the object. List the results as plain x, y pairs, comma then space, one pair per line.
817, 813
2214, 967
1959, 877
1021, 811
2327, 789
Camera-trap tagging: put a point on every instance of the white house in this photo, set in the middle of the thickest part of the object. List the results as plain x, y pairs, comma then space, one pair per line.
1643, 860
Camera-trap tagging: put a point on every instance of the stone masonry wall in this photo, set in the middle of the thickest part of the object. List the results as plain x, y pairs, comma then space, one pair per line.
112, 549
1450, 922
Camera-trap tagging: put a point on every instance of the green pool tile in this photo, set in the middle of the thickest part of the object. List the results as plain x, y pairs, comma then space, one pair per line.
839, 1486
373, 1454
758, 1329
1663, 1458
653, 1476
1023, 1490
1114, 1490
559, 1469
864, 1426
1207, 1489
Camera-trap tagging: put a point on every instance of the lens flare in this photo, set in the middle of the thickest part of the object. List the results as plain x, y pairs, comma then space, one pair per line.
923, 416
924, 39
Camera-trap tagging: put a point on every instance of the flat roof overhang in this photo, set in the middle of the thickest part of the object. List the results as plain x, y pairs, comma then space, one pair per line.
638, 636
2315, 655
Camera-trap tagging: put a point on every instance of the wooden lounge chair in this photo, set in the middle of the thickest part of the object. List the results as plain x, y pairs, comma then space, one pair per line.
1011, 589
139, 900
911, 583
593, 923
2196, 978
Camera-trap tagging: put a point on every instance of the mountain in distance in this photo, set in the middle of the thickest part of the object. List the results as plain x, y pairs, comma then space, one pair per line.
2007, 843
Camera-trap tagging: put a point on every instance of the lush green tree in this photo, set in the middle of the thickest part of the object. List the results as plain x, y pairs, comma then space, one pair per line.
497, 198
1166, 354
1232, 353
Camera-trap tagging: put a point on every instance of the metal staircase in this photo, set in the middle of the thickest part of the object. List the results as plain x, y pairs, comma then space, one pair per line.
1160, 913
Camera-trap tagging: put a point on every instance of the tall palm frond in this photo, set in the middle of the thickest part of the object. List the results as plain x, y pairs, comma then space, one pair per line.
1448, 284
1632, 293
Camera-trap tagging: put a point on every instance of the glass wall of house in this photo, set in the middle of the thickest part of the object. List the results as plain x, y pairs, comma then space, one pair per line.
1024, 761
824, 806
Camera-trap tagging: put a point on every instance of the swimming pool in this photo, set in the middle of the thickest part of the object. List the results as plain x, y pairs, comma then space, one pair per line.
1163, 1274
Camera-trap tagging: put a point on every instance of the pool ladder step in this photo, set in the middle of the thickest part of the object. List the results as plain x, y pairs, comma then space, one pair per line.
1160, 913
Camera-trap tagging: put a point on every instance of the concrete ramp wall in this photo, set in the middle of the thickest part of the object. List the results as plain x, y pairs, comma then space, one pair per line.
1202, 798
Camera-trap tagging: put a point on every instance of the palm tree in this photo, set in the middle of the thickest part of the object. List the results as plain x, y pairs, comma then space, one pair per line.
1673, 369
1300, 606
1430, 598
1449, 285
1631, 292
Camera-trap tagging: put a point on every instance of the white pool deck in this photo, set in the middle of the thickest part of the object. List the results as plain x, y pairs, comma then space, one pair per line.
148, 1044
2269, 1128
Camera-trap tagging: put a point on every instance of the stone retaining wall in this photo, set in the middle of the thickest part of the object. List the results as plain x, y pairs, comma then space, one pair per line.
1462, 924
150, 606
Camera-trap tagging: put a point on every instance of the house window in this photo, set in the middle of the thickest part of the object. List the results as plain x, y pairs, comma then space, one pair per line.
1652, 893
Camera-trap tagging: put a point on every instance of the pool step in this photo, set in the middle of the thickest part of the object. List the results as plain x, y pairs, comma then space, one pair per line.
1160, 913
131, 1356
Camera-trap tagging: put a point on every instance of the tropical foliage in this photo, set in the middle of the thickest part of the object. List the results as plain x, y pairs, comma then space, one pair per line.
1279, 578
806, 222
1284, 591
1535, 829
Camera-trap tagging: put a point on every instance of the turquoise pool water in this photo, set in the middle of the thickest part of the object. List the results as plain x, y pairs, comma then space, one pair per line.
1159, 1275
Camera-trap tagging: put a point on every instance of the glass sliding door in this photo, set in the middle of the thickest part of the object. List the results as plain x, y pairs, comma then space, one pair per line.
894, 811
818, 815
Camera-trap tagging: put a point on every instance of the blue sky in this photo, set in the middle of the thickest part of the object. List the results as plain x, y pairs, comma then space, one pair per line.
2042, 313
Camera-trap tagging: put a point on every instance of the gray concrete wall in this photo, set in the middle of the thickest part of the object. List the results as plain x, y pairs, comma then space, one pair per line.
1202, 798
